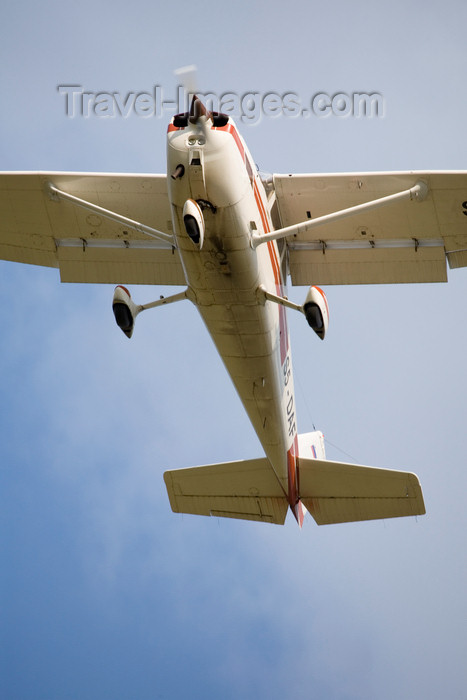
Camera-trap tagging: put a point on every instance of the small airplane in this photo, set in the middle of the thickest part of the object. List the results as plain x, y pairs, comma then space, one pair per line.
231, 237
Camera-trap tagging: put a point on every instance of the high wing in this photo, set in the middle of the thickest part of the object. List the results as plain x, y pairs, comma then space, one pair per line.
405, 241
42, 229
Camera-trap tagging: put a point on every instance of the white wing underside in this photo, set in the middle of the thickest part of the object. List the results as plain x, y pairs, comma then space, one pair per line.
85, 246
404, 242
408, 241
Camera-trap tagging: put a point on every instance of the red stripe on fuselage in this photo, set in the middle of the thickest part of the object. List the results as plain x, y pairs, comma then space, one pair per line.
292, 471
230, 129
272, 249
292, 452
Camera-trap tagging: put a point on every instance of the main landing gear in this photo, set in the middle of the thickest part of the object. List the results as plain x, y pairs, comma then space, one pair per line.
315, 307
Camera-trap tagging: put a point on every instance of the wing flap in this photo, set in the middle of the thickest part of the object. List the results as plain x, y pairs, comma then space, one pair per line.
247, 489
336, 492
107, 264
368, 266
88, 247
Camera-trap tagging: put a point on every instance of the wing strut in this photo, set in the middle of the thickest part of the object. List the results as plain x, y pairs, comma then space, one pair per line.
262, 295
57, 195
418, 193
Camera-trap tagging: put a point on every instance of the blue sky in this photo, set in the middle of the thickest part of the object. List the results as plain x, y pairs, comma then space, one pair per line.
108, 595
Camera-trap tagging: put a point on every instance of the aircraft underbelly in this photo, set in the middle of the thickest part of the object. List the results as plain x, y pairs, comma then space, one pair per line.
224, 281
250, 358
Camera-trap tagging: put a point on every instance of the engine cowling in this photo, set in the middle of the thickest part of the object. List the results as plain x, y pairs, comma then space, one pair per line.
316, 311
125, 310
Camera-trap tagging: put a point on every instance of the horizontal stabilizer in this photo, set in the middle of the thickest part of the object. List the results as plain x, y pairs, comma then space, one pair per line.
247, 489
335, 492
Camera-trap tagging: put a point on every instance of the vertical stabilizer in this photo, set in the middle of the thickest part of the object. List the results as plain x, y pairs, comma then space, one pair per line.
311, 445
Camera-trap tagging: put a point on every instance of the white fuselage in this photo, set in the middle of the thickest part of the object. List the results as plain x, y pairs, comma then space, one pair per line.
224, 278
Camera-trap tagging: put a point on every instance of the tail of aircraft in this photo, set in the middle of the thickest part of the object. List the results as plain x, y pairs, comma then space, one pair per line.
248, 489
332, 492
336, 492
